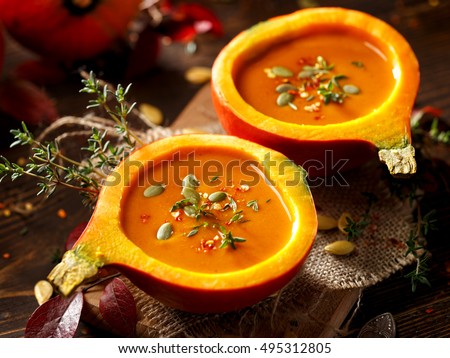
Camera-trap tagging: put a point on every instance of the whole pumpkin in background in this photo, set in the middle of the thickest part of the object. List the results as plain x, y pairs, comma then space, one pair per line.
68, 29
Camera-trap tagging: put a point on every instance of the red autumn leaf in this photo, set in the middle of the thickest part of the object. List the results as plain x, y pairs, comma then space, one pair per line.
74, 235
25, 102
144, 55
198, 14
40, 72
118, 308
185, 21
56, 318
2, 48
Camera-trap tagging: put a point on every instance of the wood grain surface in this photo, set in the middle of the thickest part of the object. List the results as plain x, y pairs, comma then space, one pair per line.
28, 242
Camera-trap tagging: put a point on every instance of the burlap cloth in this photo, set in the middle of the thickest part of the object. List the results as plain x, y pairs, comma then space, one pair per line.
303, 307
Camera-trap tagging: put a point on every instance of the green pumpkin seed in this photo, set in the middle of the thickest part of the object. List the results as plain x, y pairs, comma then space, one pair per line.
165, 231
293, 106
284, 98
154, 190
217, 196
351, 89
282, 71
191, 195
190, 211
284, 87
306, 73
190, 181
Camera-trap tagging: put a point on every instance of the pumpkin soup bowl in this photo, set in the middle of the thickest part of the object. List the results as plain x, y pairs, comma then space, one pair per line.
328, 87
201, 222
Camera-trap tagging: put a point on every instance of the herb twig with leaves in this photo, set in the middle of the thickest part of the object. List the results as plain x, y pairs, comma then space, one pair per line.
102, 92
355, 228
51, 168
428, 130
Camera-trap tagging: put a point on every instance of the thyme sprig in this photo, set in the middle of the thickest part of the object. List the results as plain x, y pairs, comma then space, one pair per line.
428, 130
51, 168
416, 245
228, 239
356, 228
119, 114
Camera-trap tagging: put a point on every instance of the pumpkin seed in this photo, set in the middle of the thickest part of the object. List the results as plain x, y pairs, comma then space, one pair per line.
284, 87
190, 181
326, 222
190, 211
340, 247
293, 106
154, 190
350, 89
151, 113
43, 290
217, 196
282, 71
191, 195
165, 231
343, 222
198, 74
284, 98
306, 73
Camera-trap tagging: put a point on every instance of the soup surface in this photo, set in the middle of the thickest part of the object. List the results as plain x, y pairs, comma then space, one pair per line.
320, 78
217, 211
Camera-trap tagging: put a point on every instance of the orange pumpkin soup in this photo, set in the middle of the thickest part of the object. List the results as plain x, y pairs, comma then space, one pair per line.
205, 212
328, 76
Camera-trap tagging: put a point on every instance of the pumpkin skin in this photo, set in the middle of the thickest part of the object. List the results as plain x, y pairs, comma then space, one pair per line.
104, 243
65, 30
351, 143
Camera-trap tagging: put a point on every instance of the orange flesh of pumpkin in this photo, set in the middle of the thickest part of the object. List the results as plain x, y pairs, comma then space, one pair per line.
339, 47
266, 226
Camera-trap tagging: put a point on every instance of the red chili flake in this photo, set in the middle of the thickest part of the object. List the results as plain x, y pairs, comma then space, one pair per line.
144, 218
436, 112
179, 218
429, 310
293, 92
373, 228
6, 255
62, 213
2, 206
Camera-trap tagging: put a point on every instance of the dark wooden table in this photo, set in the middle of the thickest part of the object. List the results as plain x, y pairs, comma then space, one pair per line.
28, 243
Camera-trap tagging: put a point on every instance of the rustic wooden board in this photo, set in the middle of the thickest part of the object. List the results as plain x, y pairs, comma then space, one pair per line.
336, 304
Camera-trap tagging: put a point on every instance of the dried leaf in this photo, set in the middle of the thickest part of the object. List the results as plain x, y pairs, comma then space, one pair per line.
144, 54
56, 318
118, 308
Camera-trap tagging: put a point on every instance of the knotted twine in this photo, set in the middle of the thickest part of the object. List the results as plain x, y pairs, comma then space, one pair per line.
306, 306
